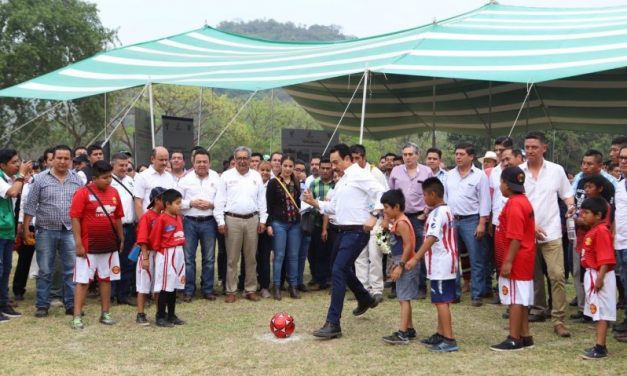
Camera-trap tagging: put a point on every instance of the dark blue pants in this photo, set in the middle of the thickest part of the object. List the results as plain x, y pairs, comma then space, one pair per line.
419, 228
121, 289
348, 246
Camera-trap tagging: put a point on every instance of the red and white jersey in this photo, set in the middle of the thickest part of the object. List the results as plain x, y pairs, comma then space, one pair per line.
145, 226
96, 231
441, 259
167, 233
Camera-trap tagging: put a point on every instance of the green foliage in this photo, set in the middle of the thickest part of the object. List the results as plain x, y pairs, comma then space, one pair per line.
288, 31
39, 36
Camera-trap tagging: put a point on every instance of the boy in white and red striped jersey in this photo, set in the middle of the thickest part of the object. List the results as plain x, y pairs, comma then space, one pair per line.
441, 258
515, 249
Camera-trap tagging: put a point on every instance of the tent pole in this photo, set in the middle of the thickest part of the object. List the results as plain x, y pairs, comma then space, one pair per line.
152, 115
490, 115
199, 116
433, 114
105, 115
271, 120
363, 108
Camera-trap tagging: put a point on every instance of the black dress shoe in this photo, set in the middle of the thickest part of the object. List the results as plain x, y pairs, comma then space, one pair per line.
276, 293
302, 288
293, 291
329, 330
536, 318
577, 316
362, 307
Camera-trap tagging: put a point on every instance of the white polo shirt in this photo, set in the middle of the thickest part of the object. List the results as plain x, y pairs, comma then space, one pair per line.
620, 216
192, 187
355, 195
543, 193
240, 194
127, 199
498, 201
147, 180
468, 195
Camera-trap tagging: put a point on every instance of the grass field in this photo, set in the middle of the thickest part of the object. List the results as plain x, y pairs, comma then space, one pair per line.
234, 339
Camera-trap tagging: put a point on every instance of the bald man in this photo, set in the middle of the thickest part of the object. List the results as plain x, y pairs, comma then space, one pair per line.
154, 176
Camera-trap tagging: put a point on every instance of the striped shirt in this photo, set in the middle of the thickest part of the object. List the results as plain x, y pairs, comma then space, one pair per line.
49, 200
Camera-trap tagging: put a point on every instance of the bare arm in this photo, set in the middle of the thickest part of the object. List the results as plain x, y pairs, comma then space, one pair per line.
76, 231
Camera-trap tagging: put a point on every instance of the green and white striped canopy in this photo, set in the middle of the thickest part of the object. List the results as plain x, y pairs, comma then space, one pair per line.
472, 71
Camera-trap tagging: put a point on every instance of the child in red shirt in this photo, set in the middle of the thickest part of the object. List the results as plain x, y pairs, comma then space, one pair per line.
96, 213
146, 263
597, 256
515, 257
167, 238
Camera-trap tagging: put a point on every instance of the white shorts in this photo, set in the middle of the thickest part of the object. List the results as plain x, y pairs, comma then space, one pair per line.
514, 291
107, 265
600, 305
144, 279
170, 270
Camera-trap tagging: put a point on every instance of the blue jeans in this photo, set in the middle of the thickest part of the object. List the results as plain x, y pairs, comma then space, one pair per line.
49, 244
205, 233
347, 248
121, 289
477, 253
286, 243
303, 251
621, 259
6, 260
421, 276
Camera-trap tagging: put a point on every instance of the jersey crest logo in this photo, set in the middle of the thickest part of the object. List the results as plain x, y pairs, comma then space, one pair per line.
115, 270
588, 241
593, 309
505, 290
169, 228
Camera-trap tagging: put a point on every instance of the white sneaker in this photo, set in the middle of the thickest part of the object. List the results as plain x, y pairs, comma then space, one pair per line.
56, 303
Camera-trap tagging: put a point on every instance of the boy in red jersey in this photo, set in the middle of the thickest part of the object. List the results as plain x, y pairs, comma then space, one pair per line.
597, 256
146, 263
96, 213
167, 238
515, 257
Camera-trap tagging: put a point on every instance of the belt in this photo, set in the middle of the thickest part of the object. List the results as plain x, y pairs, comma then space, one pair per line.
200, 218
349, 228
241, 216
459, 217
128, 224
415, 214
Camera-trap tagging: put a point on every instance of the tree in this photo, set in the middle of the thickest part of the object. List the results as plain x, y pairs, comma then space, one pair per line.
39, 36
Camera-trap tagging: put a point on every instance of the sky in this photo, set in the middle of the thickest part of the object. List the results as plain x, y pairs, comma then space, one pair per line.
143, 20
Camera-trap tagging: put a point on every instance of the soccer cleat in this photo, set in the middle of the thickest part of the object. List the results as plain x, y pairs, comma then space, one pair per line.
164, 323
435, 339
446, 345
106, 319
10, 312
77, 323
510, 344
141, 320
397, 338
176, 321
595, 352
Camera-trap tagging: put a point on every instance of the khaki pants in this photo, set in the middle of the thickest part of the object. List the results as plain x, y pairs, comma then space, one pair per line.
577, 280
553, 256
241, 235
368, 267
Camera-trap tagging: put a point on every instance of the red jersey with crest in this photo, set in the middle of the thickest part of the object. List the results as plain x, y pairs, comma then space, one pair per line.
517, 222
598, 248
145, 226
167, 232
96, 232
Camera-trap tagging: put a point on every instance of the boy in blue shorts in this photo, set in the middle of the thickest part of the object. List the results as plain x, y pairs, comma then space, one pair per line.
441, 258
403, 243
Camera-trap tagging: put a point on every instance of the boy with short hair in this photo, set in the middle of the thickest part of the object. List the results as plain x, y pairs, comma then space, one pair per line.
96, 213
441, 257
167, 238
403, 242
597, 256
515, 257
146, 262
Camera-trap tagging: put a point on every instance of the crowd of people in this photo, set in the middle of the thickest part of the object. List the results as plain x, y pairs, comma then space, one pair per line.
510, 230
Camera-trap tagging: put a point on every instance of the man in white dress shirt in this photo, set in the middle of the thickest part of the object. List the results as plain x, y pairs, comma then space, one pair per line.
467, 193
356, 204
199, 188
124, 184
154, 176
368, 266
240, 211
544, 183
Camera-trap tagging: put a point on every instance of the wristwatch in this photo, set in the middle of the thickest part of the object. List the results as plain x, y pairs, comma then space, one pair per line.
375, 213
402, 264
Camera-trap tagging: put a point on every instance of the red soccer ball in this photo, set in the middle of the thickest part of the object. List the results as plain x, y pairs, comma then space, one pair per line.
282, 325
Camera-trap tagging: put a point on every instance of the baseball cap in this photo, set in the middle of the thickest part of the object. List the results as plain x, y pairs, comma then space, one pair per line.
514, 177
155, 193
